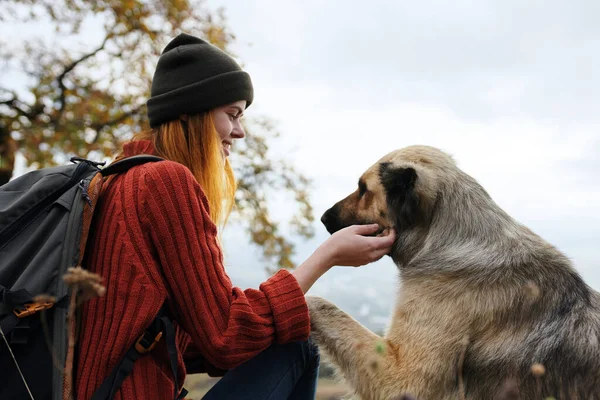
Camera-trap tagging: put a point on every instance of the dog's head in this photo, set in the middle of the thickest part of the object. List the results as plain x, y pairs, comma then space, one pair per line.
399, 191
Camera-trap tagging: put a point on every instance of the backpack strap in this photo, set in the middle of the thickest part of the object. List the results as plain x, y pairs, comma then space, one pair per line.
161, 325
18, 317
14, 302
13, 298
124, 164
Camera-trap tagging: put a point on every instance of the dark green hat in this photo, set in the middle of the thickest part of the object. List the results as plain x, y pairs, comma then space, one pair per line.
193, 76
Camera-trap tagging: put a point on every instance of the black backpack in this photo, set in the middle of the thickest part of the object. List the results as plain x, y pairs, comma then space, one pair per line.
45, 217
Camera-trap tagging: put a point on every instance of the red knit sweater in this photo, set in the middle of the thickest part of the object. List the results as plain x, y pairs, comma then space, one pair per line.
153, 241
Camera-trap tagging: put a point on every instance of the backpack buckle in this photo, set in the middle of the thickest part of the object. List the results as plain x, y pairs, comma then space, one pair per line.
145, 344
31, 308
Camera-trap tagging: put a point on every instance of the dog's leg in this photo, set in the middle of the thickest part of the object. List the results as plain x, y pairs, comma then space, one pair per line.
361, 356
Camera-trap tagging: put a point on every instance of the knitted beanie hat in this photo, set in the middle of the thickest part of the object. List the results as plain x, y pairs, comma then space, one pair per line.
193, 76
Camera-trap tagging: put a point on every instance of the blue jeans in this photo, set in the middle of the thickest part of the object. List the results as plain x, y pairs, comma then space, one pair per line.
283, 371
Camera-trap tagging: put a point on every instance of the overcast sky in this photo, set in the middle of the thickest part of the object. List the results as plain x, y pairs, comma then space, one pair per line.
509, 88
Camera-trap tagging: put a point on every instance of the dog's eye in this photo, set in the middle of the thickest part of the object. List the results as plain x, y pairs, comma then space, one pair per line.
362, 188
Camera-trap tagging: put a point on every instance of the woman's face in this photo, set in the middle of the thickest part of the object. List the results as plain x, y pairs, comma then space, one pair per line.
227, 123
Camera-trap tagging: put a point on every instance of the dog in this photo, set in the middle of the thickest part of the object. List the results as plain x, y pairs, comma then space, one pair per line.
485, 307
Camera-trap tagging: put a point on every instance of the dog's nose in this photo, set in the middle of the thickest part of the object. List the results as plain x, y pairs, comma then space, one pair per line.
324, 217
330, 220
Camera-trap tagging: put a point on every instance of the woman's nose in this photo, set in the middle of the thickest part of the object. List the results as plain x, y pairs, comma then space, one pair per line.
238, 132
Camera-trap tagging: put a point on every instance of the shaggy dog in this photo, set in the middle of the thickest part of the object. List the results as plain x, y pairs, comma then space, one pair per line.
485, 308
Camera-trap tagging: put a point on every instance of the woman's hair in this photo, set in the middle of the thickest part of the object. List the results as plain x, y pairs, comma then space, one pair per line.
194, 142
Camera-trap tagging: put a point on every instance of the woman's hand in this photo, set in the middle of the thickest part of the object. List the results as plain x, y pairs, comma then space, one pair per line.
352, 247
346, 247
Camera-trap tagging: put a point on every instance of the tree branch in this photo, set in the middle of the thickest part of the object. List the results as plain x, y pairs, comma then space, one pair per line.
12, 103
101, 125
69, 68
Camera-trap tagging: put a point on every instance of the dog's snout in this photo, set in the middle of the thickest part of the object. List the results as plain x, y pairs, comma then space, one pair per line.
331, 220
325, 217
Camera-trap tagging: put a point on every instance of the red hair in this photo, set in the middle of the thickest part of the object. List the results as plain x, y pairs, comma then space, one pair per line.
194, 142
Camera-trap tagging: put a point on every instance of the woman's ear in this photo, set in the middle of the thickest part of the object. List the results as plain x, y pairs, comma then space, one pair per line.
402, 199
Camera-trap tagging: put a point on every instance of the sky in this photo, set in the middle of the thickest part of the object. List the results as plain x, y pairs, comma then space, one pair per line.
509, 88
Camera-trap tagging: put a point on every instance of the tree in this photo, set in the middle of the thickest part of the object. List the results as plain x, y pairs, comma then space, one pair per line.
85, 98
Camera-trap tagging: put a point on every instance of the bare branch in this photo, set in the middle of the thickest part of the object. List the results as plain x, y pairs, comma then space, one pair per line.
69, 68
101, 125
17, 105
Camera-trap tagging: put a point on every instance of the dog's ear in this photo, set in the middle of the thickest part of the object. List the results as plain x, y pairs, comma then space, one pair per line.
402, 199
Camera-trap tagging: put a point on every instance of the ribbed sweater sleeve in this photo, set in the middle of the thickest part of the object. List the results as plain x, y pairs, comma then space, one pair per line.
227, 325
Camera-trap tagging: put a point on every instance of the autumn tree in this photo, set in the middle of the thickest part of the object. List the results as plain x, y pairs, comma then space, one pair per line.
88, 74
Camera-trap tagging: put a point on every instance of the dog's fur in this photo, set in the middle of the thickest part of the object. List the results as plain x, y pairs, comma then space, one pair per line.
481, 298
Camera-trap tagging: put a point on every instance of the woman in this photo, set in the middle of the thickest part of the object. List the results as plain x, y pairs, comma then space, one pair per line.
156, 243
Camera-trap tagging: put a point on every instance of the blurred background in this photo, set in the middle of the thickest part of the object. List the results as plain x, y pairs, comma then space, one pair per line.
509, 88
